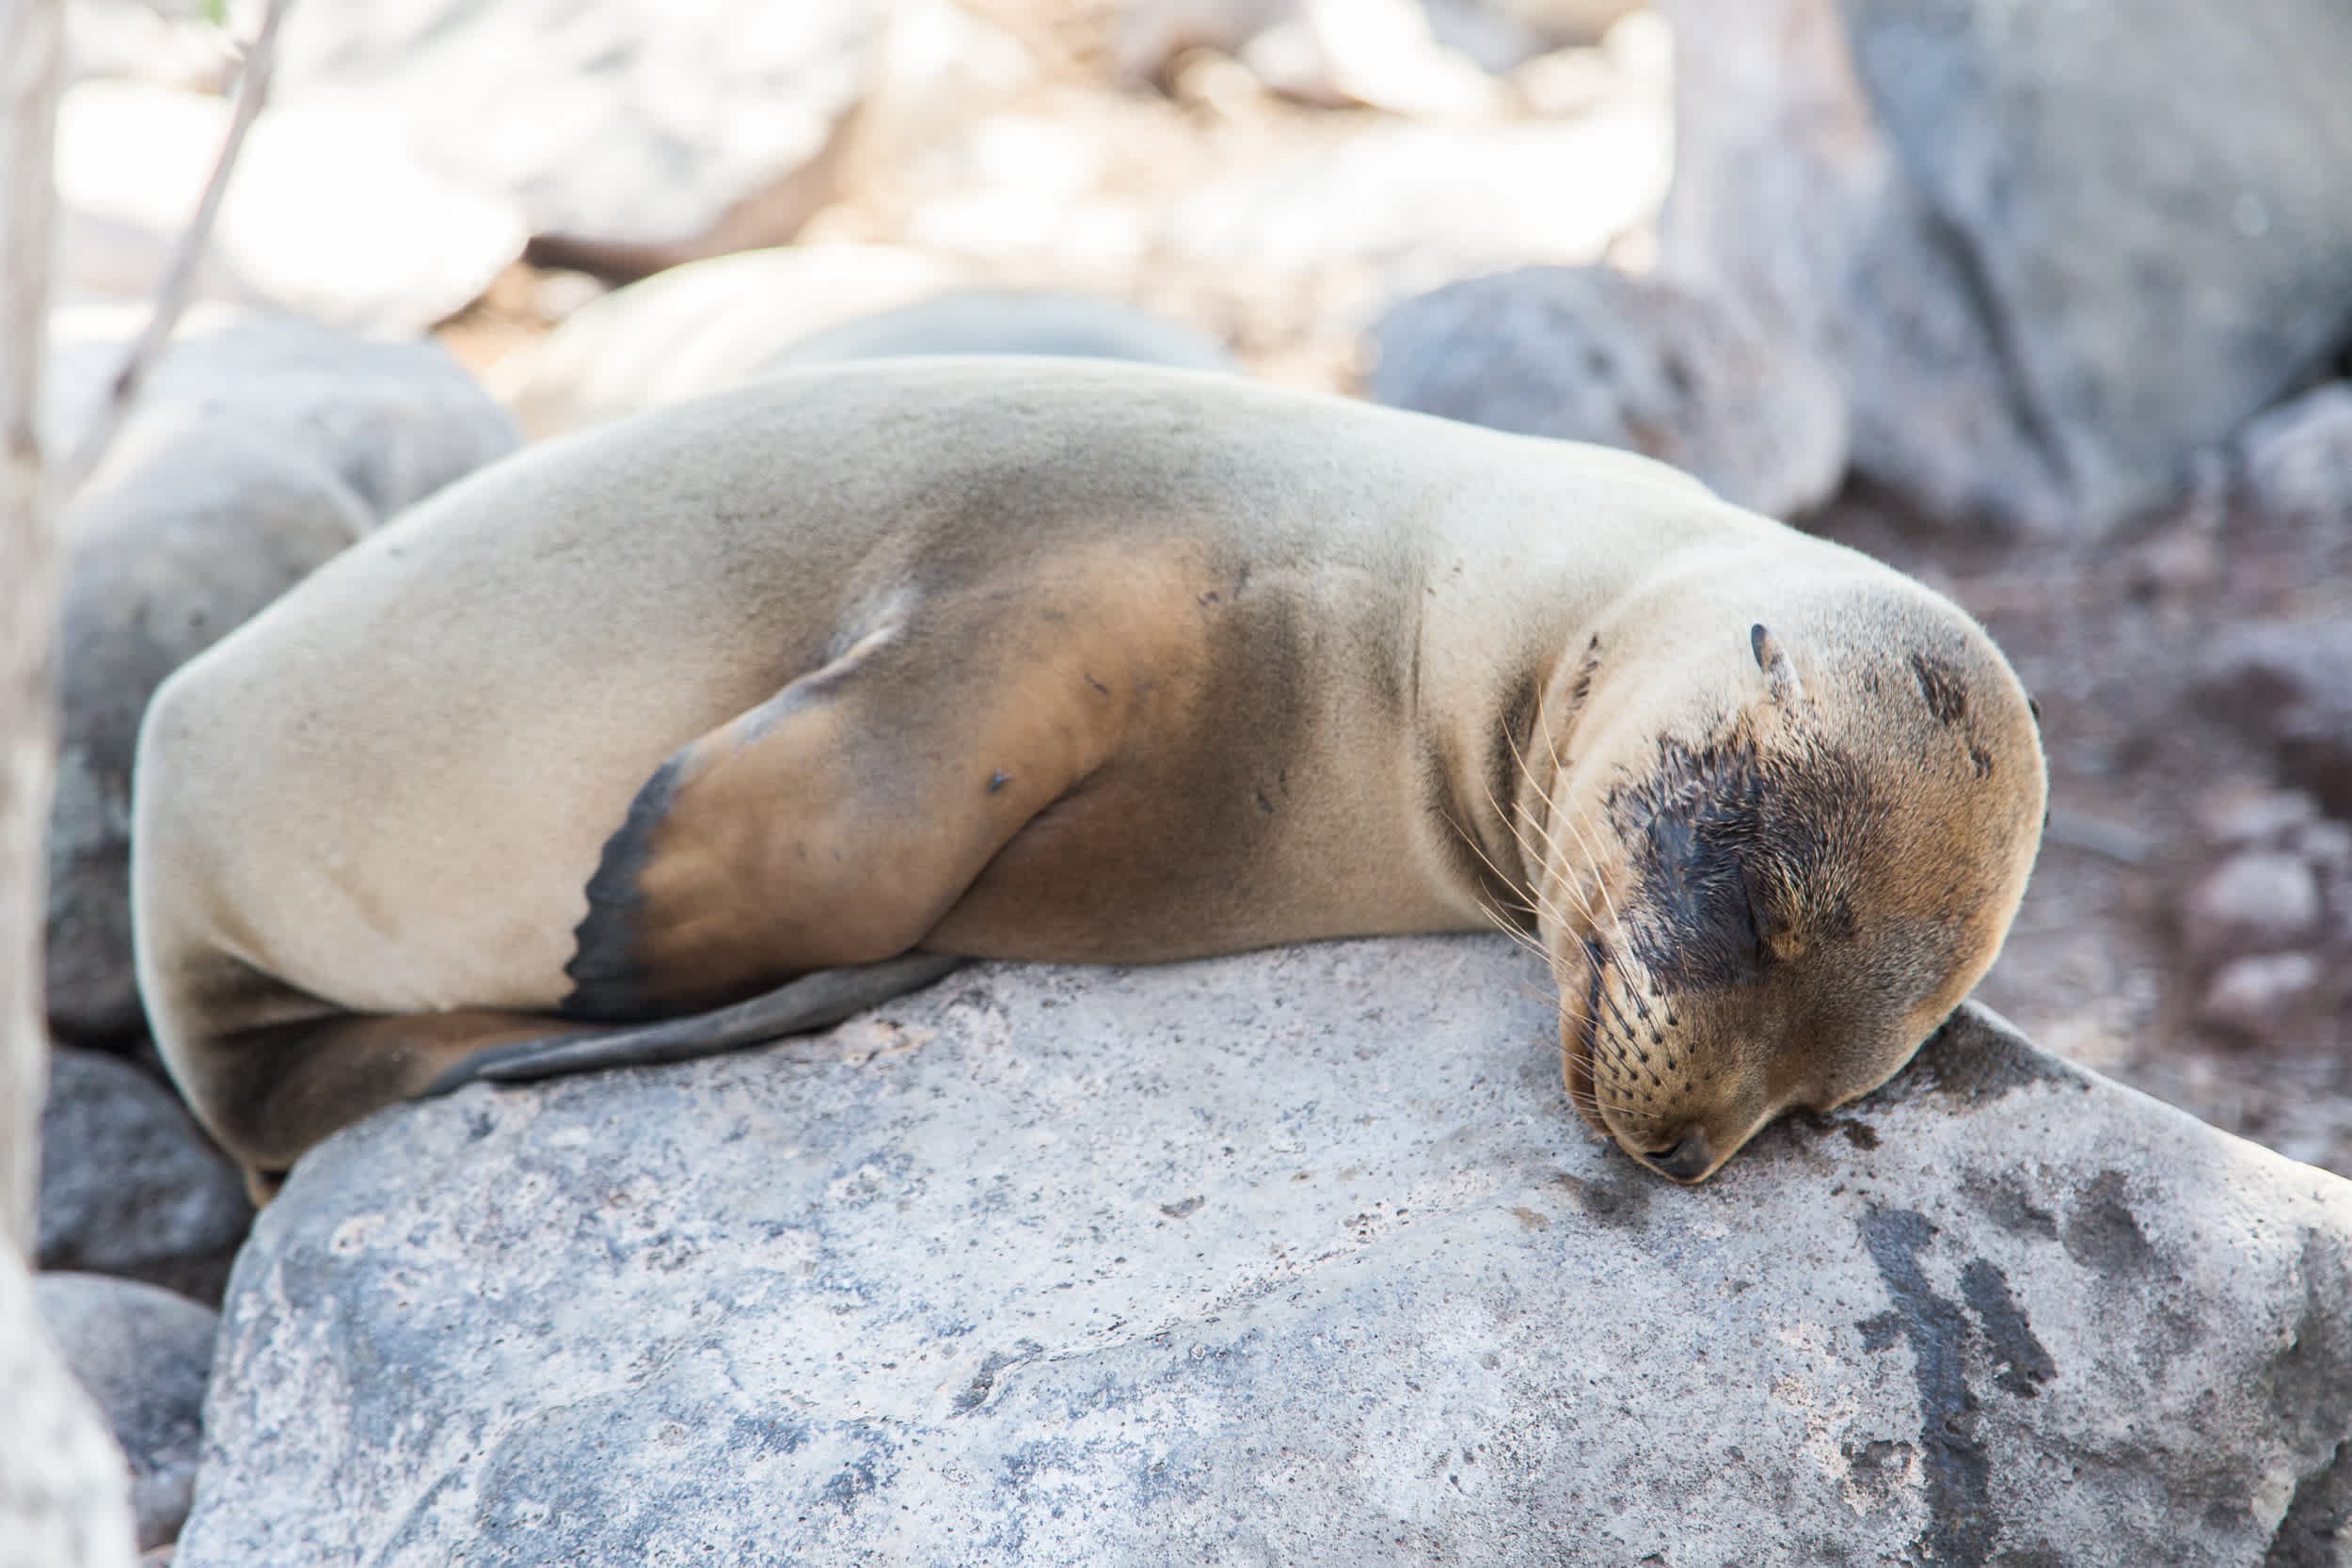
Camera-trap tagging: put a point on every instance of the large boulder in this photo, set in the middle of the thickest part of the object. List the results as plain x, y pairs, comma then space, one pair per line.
2053, 251
1416, 205
1296, 1257
331, 214
625, 120
1591, 354
263, 446
143, 1354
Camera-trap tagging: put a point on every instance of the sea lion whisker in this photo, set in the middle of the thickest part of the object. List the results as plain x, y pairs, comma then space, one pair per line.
1551, 845
1509, 819
1615, 1011
1616, 921
1518, 936
1536, 902
1532, 898
1568, 822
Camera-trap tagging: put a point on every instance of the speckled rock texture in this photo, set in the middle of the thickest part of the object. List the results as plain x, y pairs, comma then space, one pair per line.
143, 1354
1591, 354
263, 446
1292, 1258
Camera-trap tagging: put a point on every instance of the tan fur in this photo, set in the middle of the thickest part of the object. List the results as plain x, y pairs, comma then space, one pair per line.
1067, 661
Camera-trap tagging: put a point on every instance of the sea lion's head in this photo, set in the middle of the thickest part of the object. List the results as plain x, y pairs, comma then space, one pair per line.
1771, 868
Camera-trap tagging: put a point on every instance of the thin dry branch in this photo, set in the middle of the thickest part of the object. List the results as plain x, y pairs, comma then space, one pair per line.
31, 80
178, 279
64, 1495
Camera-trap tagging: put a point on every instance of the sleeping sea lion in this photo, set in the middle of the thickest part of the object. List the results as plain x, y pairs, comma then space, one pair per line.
726, 719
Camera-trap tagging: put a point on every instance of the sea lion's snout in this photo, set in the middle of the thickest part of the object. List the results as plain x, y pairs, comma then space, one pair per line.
1691, 1157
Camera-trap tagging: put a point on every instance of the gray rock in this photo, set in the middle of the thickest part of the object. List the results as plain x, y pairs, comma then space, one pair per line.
331, 214
629, 120
1589, 353
2255, 995
1297, 1257
129, 1184
392, 421
144, 1355
2257, 900
2246, 811
2298, 460
263, 446
1011, 321
2053, 251
2288, 684
1416, 205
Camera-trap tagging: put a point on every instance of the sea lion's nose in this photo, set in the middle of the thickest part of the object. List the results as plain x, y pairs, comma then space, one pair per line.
1690, 1158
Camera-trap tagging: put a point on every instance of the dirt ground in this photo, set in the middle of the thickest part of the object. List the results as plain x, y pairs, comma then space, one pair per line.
2107, 633
2108, 636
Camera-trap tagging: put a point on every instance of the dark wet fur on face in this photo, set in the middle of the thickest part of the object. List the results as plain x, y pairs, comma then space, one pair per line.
1731, 846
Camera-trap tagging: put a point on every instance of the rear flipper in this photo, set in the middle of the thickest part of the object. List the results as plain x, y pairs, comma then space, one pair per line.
810, 1002
278, 1090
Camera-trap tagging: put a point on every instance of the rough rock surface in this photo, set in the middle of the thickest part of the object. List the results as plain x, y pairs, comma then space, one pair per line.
704, 326
1296, 1257
1590, 354
129, 1184
263, 446
1011, 321
144, 1355
2052, 250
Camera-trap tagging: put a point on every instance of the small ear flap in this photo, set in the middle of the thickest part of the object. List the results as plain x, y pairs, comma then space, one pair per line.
1780, 677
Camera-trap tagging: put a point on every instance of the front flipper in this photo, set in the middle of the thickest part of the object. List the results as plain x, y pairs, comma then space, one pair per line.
836, 823
812, 1001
